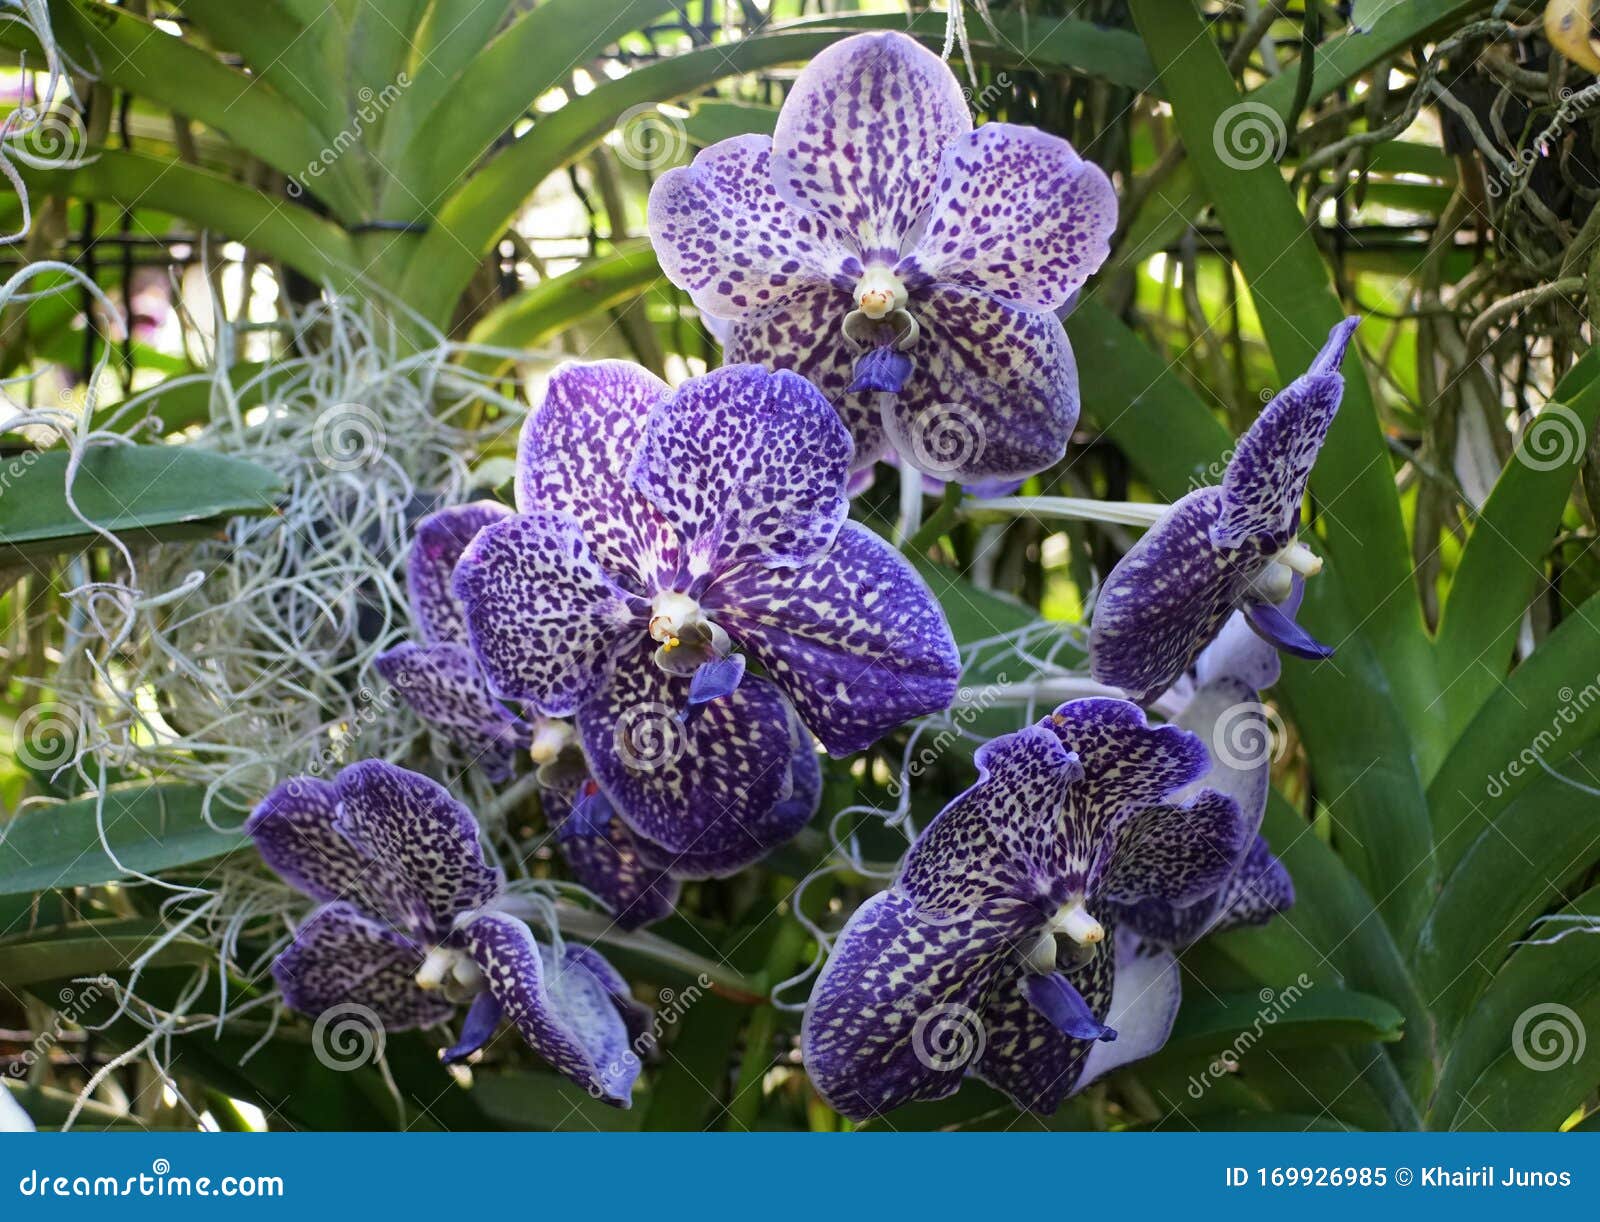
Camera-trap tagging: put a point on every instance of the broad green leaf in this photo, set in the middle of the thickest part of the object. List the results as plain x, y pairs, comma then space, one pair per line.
450, 36
186, 400
143, 492
89, 949
538, 314
1517, 864
1525, 1057
547, 1103
150, 827
1541, 714
1287, 1016
712, 119
1504, 561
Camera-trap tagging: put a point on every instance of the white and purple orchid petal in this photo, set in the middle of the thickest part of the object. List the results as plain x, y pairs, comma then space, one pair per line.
1128, 765
423, 837
856, 639
1144, 1005
994, 392
1174, 854
715, 679
1055, 997
805, 336
1259, 889
340, 956
542, 614
860, 136
895, 1017
749, 465
778, 826
440, 539
1165, 600
1279, 629
1025, 1053
998, 842
698, 787
1228, 716
636, 1016
564, 1013
604, 855
1239, 652
576, 451
1019, 215
294, 831
445, 687
725, 237
477, 1029
1267, 475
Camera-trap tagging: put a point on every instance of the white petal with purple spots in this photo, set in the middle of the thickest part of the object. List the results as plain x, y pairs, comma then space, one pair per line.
440, 539
446, 687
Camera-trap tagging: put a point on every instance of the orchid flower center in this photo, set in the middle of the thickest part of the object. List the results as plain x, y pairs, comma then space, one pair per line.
549, 737
450, 970
1072, 922
880, 293
671, 616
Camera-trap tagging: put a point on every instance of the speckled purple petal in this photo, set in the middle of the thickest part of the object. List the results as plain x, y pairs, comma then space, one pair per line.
804, 336
1024, 1054
860, 136
998, 842
576, 451
1128, 765
423, 836
636, 1016
725, 237
605, 857
1174, 854
342, 957
994, 391
896, 1015
1238, 651
695, 787
1144, 1005
1260, 888
445, 687
1266, 477
778, 826
856, 640
440, 539
1165, 600
542, 615
749, 465
561, 1009
1019, 215
293, 829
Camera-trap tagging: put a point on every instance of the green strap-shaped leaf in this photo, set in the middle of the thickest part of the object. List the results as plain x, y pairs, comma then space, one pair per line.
1503, 564
536, 315
93, 948
150, 827
152, 492
1288, 1016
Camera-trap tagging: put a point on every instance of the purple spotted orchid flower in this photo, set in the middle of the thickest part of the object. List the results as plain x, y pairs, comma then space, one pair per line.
411, 927
1222, 549
909, 266
997, 951
656, 531
441, 679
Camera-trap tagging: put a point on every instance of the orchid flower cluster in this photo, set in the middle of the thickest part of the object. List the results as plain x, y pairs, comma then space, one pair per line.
678, 611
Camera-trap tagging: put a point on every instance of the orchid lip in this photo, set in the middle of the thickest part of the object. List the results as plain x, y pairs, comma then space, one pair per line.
880, 292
